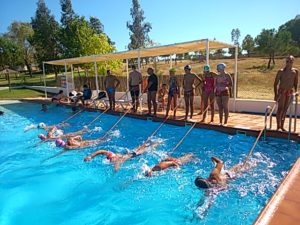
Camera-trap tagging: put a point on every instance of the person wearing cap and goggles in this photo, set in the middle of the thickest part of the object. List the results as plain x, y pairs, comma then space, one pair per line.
189, 80
208, 92
223, 86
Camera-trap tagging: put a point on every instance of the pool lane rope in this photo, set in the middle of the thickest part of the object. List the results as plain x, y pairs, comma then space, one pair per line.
259, 135
64, 121
187, 133
104, 111
96, 141
159, 127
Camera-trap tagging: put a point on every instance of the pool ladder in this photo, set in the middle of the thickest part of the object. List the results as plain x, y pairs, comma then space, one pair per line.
293, 105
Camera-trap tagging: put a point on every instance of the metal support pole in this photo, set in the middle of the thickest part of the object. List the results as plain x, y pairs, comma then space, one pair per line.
235, 76
72, 73
295, 116
44, 75
127, 75
207, 52
67, 83
139, 61
96, 77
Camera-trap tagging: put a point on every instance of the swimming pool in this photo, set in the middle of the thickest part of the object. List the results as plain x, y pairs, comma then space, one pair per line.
66, 190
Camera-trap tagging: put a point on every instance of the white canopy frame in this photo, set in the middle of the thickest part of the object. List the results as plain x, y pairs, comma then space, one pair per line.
177, 48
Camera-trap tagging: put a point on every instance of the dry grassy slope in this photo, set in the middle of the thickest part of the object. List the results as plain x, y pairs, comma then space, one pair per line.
254, 80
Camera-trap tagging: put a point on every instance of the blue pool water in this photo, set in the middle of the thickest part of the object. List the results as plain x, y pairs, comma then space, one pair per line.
66, 190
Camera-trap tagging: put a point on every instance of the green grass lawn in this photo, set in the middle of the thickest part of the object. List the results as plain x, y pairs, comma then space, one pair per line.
25, 79
20, 93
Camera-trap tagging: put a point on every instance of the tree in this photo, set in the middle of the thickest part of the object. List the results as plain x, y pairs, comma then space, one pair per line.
9, 53
85, 41
292, 26
266, 44
67, 13
21, 33
138, 28
248, 44
235, 36
45, 37
98, 27
270, 42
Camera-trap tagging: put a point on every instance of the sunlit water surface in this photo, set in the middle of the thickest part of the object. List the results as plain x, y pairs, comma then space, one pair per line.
66, 190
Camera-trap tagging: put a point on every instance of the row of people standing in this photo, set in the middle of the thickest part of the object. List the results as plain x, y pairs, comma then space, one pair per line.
213, 85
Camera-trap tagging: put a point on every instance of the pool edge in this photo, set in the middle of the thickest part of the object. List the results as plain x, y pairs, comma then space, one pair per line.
283, 207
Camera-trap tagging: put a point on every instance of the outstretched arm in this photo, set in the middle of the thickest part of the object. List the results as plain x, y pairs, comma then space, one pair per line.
99, 152
276, 84
296, 81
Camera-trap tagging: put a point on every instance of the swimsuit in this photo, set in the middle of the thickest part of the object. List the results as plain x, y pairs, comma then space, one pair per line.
110, 90
173, 88
285, 92
222, 86
209, 84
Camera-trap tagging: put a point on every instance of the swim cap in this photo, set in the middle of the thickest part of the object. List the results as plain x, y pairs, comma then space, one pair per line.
110, 155
58, 133
60, 143
188, 67
206, 68
172, 70
42, 125
42, 137
221, 66
202, 183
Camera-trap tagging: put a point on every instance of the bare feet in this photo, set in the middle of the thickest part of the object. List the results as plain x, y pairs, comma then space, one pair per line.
202, 121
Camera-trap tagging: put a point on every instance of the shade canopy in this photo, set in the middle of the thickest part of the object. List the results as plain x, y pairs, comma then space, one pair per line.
178, 48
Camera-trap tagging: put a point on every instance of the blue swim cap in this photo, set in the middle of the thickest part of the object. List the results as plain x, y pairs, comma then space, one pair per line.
221, 66
206, 68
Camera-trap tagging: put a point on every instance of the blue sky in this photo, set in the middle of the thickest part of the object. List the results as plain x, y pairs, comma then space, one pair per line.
172, 20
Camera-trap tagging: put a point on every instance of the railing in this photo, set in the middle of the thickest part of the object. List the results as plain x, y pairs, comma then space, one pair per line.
294, 102
268, 115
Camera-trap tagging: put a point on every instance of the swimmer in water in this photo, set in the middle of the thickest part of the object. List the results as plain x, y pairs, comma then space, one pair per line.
118, 159
45, 127
77, 142
218, 176
55, 133
169, 163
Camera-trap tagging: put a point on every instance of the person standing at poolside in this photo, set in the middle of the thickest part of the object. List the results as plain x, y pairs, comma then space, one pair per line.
189, 80
287, 78
152, 90
208, 92
223, 85
111, 82
135, 79
174, 92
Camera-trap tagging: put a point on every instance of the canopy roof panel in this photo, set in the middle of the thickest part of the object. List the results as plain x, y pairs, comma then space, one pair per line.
178, 48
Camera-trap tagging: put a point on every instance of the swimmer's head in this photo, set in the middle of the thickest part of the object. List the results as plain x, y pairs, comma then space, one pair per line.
110, 155
206, 68
221, 66
42, 137
202, 183
148, 173
58, 133
60, 143
41, 125
1, 113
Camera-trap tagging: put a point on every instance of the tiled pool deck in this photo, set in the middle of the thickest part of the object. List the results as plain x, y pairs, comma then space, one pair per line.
284, 206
